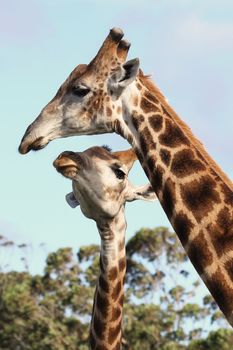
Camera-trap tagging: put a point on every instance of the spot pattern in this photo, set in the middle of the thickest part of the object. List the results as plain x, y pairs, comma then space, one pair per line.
121, 300
221, 292
112, 275
113, 333
122, 264
119, 110
185, 164
147, 106
183, 227
96, 104
146, 141
116, 291
199, 253
151, 97
157, 179
102, 304
137, 120
116, 313
104, 284
165, 156
173, 135
99, 326
135, 101
229, 268
121, 245
221, 232
130, 139
118, 128
200, 196
156, 122
151, 161
182, 165
169, 197
108, 112
228, 194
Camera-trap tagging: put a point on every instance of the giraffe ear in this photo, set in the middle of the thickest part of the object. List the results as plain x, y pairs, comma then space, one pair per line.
71, 200
145, 193
123, 76
129, 72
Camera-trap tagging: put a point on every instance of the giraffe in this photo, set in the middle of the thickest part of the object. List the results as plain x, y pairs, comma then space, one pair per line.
101, 188
111, 94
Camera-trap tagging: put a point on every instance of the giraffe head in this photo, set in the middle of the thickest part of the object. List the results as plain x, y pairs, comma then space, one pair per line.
88, 102
100, 181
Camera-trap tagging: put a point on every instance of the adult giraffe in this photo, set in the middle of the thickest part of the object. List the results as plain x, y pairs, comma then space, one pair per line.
111, 95
101, 188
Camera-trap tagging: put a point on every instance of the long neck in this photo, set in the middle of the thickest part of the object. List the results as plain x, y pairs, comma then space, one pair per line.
106, 320
195, 194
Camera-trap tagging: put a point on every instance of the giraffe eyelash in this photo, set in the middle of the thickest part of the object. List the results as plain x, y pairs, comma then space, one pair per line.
119, 173
80, 91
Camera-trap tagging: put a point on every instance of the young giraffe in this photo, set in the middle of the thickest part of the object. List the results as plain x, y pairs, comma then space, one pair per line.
101, 188
109, 95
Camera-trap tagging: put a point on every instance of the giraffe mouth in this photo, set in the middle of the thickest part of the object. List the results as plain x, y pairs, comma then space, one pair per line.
36, 145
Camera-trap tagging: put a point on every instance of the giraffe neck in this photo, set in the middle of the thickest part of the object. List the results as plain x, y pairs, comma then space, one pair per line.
195, 194
106, 320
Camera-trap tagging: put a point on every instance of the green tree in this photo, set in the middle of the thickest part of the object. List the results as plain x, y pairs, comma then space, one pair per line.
48, 311
52, 311
216, 340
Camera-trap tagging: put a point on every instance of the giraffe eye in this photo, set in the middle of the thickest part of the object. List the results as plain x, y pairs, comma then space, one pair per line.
119, 173
80, 91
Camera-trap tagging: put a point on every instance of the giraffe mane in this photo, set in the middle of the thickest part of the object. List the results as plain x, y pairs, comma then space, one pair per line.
107, 148
148, 83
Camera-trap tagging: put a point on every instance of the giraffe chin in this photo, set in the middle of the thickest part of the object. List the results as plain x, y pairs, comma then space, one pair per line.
38, 147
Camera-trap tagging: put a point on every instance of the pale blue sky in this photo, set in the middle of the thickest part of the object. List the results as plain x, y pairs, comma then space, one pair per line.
187, 46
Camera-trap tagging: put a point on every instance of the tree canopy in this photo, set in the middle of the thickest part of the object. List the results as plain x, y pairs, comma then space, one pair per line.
163, 308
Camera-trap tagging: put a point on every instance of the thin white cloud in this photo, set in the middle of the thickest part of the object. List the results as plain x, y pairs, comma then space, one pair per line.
193, 31
24, 23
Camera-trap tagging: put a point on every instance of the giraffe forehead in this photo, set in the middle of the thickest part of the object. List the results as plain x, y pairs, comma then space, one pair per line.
94, 73
94, 155
99, 153
80, 71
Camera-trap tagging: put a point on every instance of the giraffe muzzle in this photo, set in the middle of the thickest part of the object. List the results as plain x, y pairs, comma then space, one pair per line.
36, 145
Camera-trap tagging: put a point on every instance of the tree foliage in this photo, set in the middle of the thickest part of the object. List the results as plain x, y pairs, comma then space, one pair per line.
163, 309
